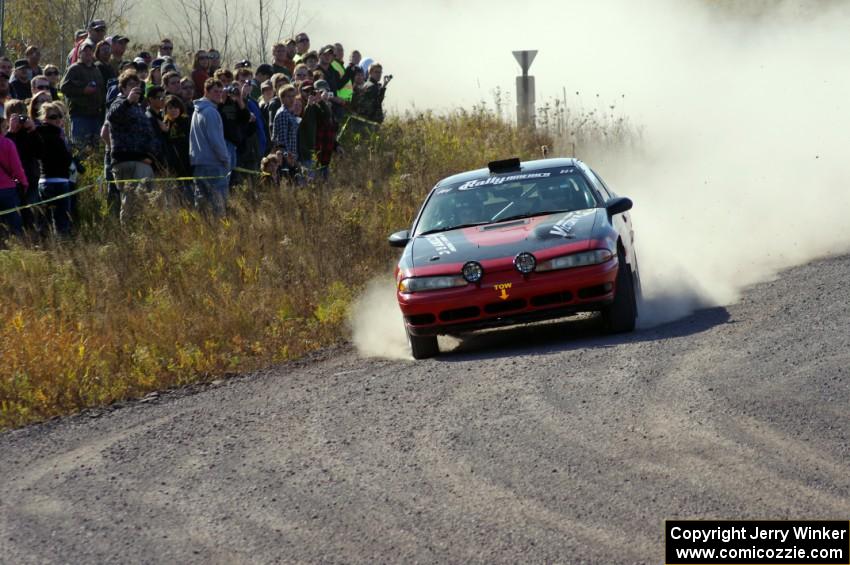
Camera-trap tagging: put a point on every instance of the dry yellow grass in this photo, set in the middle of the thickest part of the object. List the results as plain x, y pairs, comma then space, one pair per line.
116, 313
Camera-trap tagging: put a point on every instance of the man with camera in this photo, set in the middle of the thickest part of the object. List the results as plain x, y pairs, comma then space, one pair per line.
132, 143
85, 94
369, 99
235, 117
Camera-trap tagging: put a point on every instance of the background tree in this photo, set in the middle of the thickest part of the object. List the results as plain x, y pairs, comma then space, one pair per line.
50, 24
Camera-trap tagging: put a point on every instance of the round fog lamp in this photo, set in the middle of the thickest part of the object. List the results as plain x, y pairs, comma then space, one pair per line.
525, 263
472, 272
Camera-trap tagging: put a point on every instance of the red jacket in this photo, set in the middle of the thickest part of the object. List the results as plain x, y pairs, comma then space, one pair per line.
11, 170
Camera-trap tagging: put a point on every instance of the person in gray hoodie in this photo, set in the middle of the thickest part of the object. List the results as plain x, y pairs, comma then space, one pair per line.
208, 151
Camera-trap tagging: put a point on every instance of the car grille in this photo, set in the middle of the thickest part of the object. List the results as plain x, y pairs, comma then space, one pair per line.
459, 313
505, 306
554, 298
593, 291
421, 319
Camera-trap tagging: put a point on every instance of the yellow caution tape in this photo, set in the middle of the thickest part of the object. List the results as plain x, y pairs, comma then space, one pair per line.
125, 181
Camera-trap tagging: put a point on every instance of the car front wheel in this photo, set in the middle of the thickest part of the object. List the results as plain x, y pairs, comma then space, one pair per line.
422, 346
620, 316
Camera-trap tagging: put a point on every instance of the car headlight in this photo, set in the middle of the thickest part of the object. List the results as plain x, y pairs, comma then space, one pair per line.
472, 271
584, 259
525, 263
422, 284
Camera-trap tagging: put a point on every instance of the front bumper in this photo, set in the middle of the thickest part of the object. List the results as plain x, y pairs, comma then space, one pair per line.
507, 297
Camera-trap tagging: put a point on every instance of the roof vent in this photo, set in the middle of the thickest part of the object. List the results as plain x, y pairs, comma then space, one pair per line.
504, 166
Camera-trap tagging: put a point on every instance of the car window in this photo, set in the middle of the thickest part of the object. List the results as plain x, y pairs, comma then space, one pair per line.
607, 192
502, 197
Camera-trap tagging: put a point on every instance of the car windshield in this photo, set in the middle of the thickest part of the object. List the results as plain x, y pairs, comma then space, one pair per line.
504, 197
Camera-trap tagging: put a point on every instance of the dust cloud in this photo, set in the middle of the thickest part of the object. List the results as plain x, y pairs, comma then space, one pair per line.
377, 326
742, 168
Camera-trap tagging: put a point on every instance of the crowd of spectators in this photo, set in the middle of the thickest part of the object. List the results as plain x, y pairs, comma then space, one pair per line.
207, 126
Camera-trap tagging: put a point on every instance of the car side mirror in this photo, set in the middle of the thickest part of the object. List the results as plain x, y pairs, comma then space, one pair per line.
618, 205
399, 238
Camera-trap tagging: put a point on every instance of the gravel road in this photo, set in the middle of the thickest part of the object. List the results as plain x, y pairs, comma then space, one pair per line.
546, 444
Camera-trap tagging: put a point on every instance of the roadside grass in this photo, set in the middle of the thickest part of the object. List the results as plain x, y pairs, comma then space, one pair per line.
177, 298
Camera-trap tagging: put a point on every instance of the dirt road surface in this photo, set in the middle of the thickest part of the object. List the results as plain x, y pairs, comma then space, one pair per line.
546, 444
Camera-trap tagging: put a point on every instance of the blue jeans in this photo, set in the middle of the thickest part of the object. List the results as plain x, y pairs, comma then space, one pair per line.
85, 130
9, 199
211, 192
58, 212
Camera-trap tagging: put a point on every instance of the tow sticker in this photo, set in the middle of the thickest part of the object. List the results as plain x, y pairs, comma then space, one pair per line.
503, 288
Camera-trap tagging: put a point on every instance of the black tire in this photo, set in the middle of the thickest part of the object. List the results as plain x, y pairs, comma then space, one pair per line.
620, 316
423, 346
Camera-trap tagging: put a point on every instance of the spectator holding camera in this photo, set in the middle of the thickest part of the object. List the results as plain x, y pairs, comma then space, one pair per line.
85, 93
28, 143
235, 115
155, 101
255, 144
370, 97
11, 174
133, 142
326, 129
177, 146
315, 112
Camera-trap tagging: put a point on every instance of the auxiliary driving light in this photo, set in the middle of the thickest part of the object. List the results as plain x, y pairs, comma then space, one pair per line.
472, 271
525, 263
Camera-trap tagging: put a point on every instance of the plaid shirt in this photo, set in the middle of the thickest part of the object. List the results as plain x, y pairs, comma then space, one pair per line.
326, 139
285, 131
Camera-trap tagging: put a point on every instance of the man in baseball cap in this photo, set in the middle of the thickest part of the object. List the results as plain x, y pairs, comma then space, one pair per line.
19, 86
85, 95
119, 47
97, 31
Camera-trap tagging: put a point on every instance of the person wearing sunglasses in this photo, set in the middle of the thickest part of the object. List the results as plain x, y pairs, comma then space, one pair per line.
166, 48
41, 83
55, 159
302, 47
52, 74
215, 60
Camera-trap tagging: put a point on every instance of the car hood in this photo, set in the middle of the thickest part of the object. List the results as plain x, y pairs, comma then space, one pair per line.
506, 239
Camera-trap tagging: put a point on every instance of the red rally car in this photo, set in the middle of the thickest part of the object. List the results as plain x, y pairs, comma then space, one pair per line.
514, 243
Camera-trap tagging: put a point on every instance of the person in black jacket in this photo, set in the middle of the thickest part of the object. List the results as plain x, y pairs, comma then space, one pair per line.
133, 143
155, 98
235, 117
179, 127
56, 159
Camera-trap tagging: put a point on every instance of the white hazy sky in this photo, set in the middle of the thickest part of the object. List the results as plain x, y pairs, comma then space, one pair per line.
447, 53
